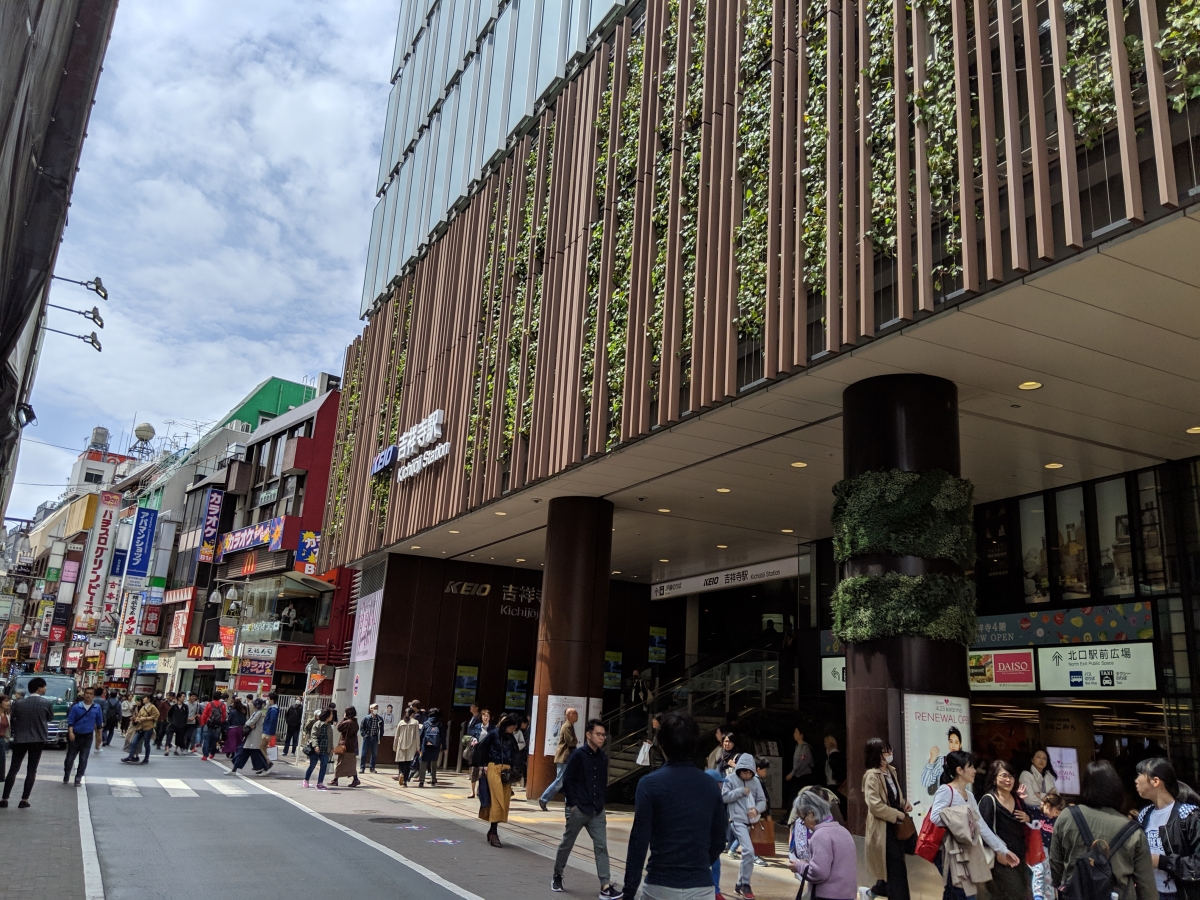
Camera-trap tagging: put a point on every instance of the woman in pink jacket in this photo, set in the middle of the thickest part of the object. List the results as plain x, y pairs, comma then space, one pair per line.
831, 867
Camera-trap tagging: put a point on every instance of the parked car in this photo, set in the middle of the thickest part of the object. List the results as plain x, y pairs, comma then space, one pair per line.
61, 689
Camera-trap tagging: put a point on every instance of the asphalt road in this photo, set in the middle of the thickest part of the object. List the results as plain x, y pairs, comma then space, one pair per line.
179, 828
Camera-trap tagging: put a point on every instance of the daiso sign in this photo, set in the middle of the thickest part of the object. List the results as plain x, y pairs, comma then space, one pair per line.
1014, 668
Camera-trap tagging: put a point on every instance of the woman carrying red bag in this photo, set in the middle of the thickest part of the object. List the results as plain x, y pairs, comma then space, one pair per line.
1004, 811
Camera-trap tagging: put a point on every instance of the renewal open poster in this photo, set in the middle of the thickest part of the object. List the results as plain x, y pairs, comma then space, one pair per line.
933, 726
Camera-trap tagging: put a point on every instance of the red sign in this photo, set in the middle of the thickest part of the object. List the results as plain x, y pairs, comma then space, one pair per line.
1013, 667
58, 634
73, 657
228, 638
179, 627
250, 563
252, 684
195, 651
151, 619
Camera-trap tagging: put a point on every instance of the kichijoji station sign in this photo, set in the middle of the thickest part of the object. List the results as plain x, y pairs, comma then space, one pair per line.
411, 446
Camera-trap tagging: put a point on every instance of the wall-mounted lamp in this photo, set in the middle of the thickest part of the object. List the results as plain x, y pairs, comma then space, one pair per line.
92, 315
87, 339
94, 285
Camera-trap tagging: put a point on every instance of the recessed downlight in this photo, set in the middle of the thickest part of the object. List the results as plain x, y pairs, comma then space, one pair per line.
616, 571
799, 465
786, 530
1194, 430
722, 546
415, 547
723, 490
1029, 385
520, 559
1054, 465
452, 531
663, 509
664, 560
501, 513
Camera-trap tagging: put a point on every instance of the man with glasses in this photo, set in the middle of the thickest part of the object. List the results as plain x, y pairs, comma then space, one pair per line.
585, 784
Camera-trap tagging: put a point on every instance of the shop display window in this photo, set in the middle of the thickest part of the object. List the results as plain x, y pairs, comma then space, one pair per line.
1115, 538
1071, 532
1035, 561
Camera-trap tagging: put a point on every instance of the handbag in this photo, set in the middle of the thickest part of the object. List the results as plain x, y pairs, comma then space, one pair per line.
762, 836
340, 749
929, 841
905, 828
1035, 850
643, 757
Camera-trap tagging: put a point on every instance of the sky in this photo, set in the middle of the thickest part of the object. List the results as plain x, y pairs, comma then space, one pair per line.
224, 197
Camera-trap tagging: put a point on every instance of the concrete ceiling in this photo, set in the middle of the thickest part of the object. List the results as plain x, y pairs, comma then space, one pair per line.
1113, 335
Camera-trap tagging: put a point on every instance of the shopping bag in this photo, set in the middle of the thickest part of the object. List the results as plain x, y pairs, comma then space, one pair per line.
929, 841
762, 836
272, 753
643, 757
272, 740
1035, 850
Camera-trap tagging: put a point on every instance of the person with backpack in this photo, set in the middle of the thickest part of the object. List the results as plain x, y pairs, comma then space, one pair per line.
1003, 808
316, 743
1172, 826
177, 722
212, 722
112, 718
963, 861
1097, 852
430, 746
293, 719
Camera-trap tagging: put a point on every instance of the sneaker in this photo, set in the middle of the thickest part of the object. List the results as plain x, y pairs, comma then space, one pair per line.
611, 892
66, 777
321, 787
542, 804
78, 782
735, 854
144, 762
759, 861
305, 784
743, 891
556, 884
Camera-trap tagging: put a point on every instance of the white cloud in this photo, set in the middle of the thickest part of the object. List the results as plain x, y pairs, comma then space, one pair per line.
225, 196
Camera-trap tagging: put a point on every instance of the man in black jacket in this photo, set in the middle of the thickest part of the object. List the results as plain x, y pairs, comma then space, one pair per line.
29, 732
292, 718
585, 785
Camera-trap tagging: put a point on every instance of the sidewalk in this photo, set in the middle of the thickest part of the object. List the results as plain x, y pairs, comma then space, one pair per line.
773, 882
40, 845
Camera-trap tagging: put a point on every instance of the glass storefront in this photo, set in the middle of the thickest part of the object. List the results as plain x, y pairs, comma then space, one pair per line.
287, 607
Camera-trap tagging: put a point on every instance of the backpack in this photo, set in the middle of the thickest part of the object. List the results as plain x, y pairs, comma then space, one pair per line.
433, 736
216, 715
1092, 875
112, 713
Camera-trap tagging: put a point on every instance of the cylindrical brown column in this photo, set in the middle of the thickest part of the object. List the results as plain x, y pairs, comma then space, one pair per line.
574, 623
906, 422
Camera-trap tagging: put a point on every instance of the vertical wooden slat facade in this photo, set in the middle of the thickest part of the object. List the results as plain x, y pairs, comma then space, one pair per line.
491, 321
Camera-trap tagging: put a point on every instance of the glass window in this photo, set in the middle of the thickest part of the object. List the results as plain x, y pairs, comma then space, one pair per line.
1072, 544
1155, 578
277, 455
1116, 551
1033, 551
91, 476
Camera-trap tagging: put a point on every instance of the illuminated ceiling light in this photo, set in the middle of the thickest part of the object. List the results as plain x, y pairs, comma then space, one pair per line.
415, 547
722, 490
501, 513
1194, 430
786, 530
664, 560
722, 546
1029, 385
452, 531
616, 571
799, 465
664, 509
520, 559
1054, 465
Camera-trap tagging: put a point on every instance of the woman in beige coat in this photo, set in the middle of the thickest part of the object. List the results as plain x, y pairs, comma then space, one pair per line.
405, 744
886, 808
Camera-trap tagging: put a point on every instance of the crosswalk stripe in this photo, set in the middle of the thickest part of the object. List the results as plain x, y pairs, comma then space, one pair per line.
227, 788
123, 787
176, 787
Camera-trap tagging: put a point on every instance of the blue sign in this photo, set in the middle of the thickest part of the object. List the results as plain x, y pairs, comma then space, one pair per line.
385, 459
118, 563
138, 565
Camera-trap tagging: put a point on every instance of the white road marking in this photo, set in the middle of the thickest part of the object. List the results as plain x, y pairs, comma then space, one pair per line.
386, 851
176, 787
123, 787
93, 880
227, 788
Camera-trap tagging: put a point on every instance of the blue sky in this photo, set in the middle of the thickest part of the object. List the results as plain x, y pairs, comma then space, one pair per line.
224, 196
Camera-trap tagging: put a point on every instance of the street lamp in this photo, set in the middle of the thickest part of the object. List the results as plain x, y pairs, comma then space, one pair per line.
95, 285
90, 339
92, 315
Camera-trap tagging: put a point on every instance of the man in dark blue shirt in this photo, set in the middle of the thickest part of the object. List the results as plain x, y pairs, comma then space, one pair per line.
585, 785
679, 817
83, 720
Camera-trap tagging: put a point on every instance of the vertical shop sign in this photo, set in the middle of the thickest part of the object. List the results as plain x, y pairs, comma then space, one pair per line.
612, 670
97, 559
658, 645
466, 685
151, 619
516, 689
212, 523
112, 607
928, 720
140, 546
179, 628
306, 553
366, 627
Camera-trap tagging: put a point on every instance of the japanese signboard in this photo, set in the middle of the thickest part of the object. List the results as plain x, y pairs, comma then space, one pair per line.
1001, 670
117, 566
1098, 667
212, 524
179, 628
264, 667
140, 642
142, 543
268, 533
97, 557
1079, 625
259, 651
58, 632
788, 567
112, 607
306, 553
151, 618
6, 605
73, 657
70, 571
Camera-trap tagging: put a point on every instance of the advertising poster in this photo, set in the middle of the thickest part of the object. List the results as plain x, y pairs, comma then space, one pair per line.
1001, 670
1098, 667
228, 635
6, 605
56, 656
1065, 762
1081, 624
179, 628
264, 667
516, 689
306, 553
933, 725
556, 713
658, 645
268, 534
73, 657
366, 627
466, 685
391, 709
612, 670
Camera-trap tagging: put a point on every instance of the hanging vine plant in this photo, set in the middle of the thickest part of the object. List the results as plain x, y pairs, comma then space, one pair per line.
595, 249
881, 126
1179, 44
754, 161
1091, 95
348, 410
816, 132
527, 225
897, 514
662, 190
493, 376
690, 160
535, 289
626, 173
474, 436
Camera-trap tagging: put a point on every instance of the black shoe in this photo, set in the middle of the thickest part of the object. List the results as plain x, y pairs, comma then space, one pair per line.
66, 777
545, 808
556, 884
144, 762
611, 892
3, 804
78, 782
24, 804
